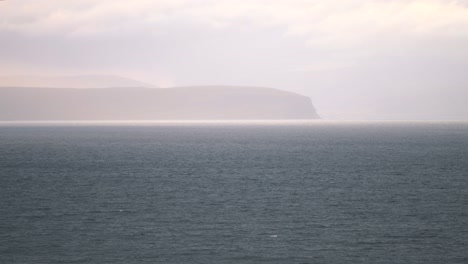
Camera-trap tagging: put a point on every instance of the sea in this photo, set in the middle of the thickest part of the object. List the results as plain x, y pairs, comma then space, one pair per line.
234, 192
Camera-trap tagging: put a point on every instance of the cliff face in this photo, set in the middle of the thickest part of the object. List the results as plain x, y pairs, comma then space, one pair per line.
180, 103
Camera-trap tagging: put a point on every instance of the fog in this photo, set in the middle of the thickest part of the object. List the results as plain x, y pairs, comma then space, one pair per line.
356, 59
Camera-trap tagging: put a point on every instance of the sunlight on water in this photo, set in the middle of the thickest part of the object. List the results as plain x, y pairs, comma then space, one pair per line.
292, 122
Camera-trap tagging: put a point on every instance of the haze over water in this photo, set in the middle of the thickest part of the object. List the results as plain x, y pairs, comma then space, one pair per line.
355, 59
310, 192
98, 163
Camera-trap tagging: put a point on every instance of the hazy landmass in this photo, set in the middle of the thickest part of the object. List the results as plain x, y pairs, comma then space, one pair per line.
78, 81
179, 103
356, 59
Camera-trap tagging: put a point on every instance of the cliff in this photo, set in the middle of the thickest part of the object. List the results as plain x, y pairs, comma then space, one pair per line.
180, 103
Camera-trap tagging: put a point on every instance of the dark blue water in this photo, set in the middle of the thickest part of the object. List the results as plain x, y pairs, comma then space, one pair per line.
205, 193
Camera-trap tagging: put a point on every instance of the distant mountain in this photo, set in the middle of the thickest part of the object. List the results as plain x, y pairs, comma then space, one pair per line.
80, 81
179, 103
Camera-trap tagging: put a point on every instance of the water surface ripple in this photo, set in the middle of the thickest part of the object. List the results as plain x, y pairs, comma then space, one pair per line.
203, 193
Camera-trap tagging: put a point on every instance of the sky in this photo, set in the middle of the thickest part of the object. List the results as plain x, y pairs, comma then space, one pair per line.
356, 59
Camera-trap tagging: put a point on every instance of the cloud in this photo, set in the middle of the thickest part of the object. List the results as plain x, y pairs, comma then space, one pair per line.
352, 29
330, 20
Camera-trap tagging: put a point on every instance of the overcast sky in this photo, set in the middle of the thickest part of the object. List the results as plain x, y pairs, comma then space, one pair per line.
356, 59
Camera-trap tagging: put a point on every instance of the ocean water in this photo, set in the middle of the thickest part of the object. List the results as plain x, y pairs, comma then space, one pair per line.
318, 192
